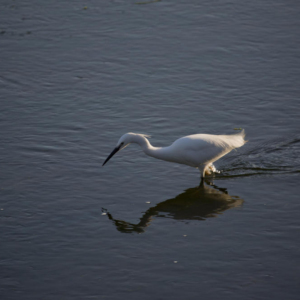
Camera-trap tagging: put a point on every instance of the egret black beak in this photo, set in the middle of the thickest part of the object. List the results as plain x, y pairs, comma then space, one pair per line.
111, 155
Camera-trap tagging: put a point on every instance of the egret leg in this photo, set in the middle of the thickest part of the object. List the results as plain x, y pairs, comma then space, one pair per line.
201, 185
202, 169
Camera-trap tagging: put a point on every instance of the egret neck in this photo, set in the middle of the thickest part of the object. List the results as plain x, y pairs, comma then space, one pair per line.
156, 152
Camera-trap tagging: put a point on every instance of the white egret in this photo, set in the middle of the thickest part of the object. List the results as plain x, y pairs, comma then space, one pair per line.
197, 150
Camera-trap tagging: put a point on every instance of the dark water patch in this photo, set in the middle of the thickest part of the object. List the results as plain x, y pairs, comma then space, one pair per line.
44, 149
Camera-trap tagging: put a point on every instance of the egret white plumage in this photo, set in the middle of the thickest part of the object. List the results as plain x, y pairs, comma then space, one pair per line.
197, 150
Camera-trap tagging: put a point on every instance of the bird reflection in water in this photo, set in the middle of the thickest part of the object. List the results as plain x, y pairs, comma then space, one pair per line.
200, 203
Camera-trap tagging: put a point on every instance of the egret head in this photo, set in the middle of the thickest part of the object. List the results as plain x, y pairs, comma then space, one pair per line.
124, 141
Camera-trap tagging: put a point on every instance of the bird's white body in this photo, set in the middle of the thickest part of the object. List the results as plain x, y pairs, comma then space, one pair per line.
197, 150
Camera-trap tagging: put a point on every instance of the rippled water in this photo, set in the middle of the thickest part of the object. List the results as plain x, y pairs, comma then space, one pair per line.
75, 77
274, 157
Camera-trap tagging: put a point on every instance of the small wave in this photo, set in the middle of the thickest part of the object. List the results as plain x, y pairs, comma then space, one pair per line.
277, 156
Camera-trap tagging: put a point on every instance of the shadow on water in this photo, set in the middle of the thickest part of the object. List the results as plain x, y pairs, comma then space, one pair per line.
199, 203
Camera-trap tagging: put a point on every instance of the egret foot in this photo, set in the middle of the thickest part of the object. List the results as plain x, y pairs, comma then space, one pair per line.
211, 169
207, 170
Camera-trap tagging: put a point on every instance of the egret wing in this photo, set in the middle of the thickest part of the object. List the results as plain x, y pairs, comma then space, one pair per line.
199, 149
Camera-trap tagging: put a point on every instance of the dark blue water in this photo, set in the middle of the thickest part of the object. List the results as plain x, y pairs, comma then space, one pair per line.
76, 76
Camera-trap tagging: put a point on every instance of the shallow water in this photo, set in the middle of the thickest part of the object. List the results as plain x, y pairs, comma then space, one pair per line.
73, 79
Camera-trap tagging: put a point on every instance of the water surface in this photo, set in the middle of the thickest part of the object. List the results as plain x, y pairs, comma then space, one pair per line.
76, 76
